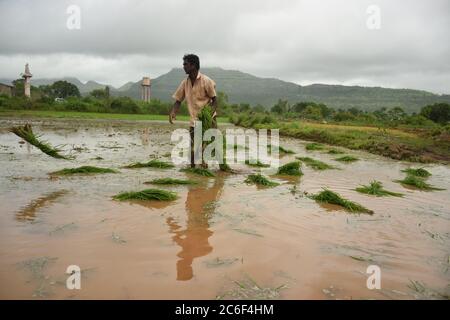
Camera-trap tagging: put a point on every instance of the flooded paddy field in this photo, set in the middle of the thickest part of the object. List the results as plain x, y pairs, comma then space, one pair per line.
222, 238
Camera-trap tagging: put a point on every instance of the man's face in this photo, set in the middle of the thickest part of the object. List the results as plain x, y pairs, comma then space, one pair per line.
188, 67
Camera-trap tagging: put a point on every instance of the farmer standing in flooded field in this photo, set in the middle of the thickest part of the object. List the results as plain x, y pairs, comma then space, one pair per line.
198, 90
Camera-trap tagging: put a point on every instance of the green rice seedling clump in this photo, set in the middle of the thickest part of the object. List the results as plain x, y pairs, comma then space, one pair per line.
151, 164
147, 194
199, 171
315, 164
83, 170
347, 159
314, 146
170, 181
328, 196
290, 169
420, 172
376, 188
417, 182
260, 180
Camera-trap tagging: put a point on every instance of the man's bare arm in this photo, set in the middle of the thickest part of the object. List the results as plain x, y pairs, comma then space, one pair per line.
174, 111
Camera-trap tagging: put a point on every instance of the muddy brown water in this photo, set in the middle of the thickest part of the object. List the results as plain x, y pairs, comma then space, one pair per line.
217, 234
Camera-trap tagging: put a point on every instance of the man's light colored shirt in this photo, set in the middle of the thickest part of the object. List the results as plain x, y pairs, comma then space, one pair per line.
196, 96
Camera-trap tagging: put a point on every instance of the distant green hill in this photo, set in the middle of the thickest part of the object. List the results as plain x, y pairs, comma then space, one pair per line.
245, 88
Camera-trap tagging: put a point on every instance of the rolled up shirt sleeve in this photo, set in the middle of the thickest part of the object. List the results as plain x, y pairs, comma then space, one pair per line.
180, 94
210, 87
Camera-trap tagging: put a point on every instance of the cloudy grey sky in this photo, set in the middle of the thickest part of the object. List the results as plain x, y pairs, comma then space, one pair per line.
303, 41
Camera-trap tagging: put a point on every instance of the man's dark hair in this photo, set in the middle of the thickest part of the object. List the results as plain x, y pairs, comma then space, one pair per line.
192, 59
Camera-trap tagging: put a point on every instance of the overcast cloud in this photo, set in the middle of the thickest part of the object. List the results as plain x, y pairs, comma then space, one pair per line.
300, 41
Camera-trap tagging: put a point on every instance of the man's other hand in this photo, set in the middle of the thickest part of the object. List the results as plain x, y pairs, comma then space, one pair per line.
172, 116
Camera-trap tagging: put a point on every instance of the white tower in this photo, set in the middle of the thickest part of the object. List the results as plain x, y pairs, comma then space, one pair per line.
145, 92
26, 83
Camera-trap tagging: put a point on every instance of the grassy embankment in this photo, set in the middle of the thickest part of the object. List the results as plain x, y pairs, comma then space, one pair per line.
409, 144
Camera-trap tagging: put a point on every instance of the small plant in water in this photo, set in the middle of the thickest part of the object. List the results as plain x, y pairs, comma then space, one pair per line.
347, 159
147, 194
151, 164
420, 172
328, 196
315, 164
256, 163
417, 182
82, 170
290, 169
260, 180
314, 146
376, 188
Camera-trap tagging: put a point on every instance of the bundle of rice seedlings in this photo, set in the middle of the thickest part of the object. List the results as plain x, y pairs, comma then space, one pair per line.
420, 172
280, 149
26, 133
260, 180
376, 188
147, 194
417, 182
199, 171
83, 170
151, 164
328, 196
290, 169
335, 151
314, 146
315, 164
257, 164
347, 159
170, 181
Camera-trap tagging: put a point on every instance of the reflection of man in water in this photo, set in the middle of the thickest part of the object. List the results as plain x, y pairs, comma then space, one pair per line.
194, 239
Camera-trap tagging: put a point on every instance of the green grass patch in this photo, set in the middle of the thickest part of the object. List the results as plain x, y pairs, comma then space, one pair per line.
328, 196
83, 170
420, 172
199, 171
335, 151
147, 194
290, 169
151, 164
376, 188
347, 159
260, 180
170, 181
417, 182
26, 133
315, 164
257, 164
314, 146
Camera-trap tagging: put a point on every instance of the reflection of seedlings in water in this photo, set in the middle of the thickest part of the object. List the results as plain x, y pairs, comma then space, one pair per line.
248, 289
199, 171
147, 194
98, 158
170, 181
63, 228
433, 235
347, 159
82, 170
218, 262
118, 239
420, 172
26, 133
28, 213
150, 164
426, 292
260, 180
248, 231
314, 146
36, 266
315, 164
290, 169
328, 196
417, 182
376, 188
